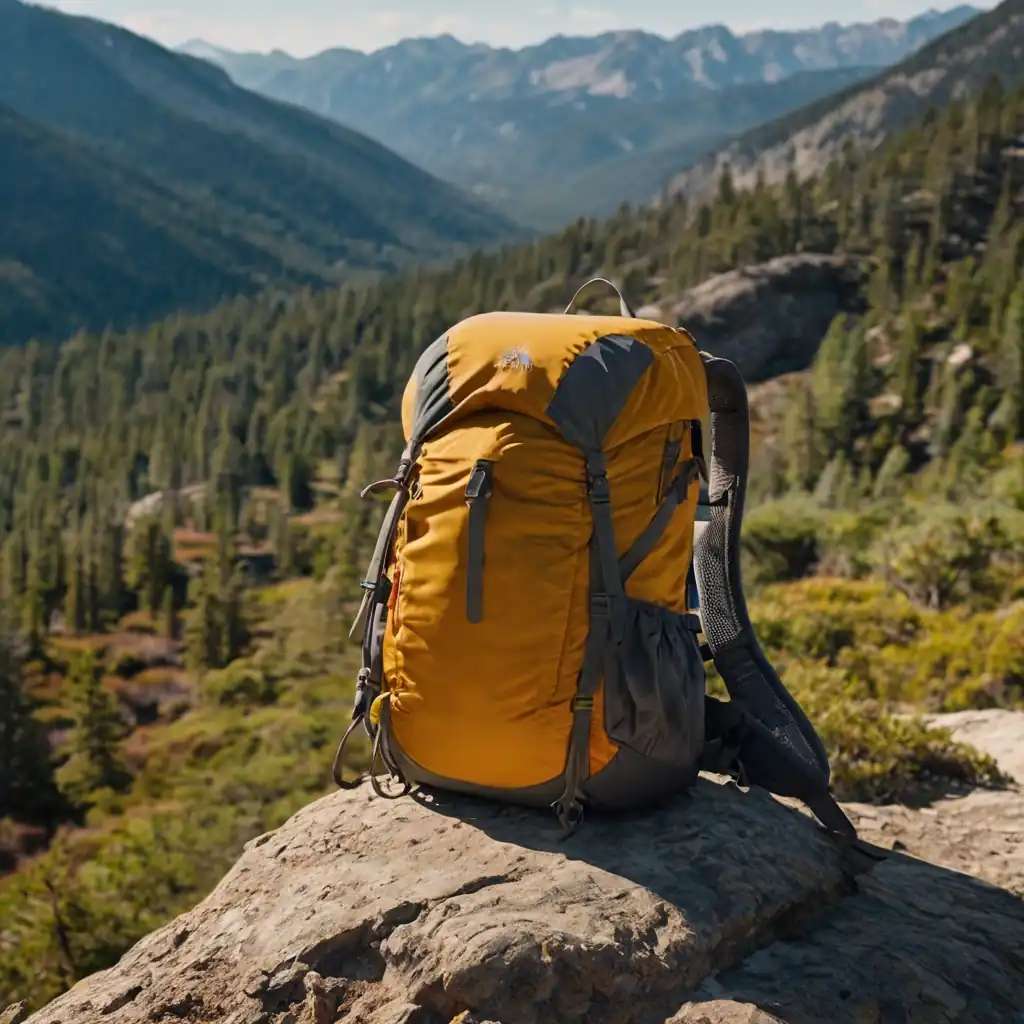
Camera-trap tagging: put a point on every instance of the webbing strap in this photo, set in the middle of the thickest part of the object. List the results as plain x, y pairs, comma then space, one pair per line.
373, 584
478, 492
569, 806
599, 494
648, 540
369, 624
368, 684
376, 586
607, 620
670, 456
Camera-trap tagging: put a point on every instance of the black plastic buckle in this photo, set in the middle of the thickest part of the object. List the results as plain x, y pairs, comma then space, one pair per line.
480, 485
381, 590
598, 490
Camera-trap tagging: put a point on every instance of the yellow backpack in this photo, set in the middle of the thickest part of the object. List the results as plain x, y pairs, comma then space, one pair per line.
527, 626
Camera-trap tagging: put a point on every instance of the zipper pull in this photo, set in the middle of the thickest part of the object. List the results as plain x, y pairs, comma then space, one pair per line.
478, 491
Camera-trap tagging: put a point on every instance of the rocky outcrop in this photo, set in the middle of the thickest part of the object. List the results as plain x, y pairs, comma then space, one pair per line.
722, 907
770, 318
906, 922
980, 832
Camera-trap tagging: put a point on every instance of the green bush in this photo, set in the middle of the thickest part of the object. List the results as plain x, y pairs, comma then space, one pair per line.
818, 618
238, 684
846, 539
781, 539
953, 556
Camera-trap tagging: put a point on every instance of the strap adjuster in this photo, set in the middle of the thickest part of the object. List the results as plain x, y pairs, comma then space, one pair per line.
582, 704
480, 483
381, 590
598, 490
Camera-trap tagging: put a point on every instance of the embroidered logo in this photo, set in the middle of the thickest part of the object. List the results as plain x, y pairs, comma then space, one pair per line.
515, 359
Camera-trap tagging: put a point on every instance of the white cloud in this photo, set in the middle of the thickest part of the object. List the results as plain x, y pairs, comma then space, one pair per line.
444, 24
389, 21
593, 18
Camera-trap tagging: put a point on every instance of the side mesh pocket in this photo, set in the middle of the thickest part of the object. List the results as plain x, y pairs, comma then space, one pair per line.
654, 686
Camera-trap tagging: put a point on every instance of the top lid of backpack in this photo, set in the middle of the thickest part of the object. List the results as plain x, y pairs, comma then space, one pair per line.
631, 374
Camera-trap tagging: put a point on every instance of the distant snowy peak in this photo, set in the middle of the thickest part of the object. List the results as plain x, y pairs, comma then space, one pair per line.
623, 64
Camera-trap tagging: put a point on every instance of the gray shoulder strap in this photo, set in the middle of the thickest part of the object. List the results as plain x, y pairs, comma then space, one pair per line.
624, 307
778, 747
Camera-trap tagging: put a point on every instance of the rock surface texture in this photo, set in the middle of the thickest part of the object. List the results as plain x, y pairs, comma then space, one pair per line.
980, 832
769, 318
724, 907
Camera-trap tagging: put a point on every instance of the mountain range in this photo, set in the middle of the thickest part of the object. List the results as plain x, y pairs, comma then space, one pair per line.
135, 181
575, 125
953, 67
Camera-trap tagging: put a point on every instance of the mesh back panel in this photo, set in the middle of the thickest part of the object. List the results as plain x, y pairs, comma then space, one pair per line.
748, 676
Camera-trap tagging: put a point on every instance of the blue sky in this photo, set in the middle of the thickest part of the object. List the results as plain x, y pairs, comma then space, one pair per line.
306, 26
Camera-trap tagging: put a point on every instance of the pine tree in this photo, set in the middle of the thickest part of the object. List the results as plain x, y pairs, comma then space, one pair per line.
76, 611
202, 635
34, 617
906, 367
27, 789
801, 441
283, 546
170, 613
110, 573
149, 563
1009, 415
94, 761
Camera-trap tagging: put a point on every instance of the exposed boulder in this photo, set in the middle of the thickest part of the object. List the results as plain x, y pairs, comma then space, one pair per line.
722, 906
770, 318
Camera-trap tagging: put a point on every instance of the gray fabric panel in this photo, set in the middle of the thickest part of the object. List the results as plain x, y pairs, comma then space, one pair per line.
535, 796
433, 392
629, 781
747, 674
596, 387
654, 690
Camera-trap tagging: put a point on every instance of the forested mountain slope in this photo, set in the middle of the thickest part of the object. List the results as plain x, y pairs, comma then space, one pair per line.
954, 66
88, 240
294, 197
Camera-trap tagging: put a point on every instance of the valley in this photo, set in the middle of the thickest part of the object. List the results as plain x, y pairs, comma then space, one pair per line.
575, 126
201, 189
